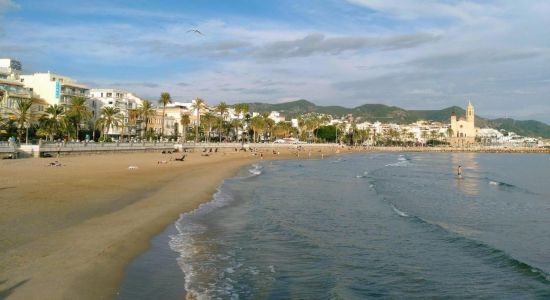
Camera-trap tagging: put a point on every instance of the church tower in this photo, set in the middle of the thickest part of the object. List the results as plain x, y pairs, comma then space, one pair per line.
470, 113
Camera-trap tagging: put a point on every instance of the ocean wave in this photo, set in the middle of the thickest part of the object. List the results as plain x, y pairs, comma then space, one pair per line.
256, 169
401, 163
397, 211
500, 183
364, 175
402, 157
185, 244
489, 254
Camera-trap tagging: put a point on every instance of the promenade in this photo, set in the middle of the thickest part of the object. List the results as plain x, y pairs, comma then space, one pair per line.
63, 149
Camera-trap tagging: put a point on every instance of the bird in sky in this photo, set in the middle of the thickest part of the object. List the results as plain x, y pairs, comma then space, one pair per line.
195, 31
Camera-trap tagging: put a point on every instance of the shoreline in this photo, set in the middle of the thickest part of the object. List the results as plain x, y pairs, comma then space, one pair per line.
71, 231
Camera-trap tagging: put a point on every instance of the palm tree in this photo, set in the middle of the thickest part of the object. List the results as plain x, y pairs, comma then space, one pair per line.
110, 117
133, 116
78, 113
236, 124
209, 119
53, 120
198, 105
146, 111
258, 124
165, 99
23, 116
222, 109
185, 120
269, 124
243, 108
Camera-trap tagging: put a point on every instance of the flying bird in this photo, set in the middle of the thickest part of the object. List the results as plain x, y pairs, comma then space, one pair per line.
195, 31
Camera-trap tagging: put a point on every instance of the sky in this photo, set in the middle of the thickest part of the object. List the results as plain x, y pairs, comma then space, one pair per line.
422, 54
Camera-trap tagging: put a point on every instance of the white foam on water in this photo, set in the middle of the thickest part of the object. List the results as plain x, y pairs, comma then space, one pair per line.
493, 183
271, 268
184, 241
397, 211
256, 169
401, 163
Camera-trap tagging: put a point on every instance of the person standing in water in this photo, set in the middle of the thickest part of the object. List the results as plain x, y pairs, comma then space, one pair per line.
459, 171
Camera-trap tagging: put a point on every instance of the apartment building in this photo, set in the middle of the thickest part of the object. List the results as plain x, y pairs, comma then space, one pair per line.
53, 88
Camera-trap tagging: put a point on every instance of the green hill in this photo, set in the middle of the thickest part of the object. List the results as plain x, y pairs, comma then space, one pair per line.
393, 114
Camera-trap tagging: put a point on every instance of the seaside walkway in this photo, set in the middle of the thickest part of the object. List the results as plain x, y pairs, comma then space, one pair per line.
71, 148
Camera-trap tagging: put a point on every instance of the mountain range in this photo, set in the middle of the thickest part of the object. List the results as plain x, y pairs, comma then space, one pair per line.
394, 114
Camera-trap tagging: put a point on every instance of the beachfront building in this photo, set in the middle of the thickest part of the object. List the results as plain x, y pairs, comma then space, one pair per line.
53, 88
463, 129
12, 90
123, 100
172, 118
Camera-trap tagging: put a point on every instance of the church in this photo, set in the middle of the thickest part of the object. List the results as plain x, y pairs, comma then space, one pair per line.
463, 130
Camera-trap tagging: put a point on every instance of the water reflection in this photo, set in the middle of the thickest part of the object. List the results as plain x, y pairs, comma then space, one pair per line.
468, 183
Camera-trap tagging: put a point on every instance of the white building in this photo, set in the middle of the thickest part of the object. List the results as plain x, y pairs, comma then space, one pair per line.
53, 88
490, 136
11, 88
276, 116
123, 100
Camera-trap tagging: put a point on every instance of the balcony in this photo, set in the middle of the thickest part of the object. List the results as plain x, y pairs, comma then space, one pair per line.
67, 92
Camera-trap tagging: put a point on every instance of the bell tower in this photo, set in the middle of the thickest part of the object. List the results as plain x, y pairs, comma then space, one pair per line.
470, 113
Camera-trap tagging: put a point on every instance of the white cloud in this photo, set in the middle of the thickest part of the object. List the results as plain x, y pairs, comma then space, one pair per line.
441, 53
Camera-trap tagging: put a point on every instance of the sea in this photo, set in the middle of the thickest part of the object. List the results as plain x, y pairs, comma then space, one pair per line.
361, 226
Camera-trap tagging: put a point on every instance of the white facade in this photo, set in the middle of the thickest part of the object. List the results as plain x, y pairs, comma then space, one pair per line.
11, 88
276, 116
123, 100
53, 88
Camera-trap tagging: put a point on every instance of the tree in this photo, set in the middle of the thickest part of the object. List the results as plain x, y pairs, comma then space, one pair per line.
133, 116
78, 113
208, 119
198, 106
53, 121
165, 99
146, 111
185, 120
258, 124
241, 108
236, 124
23, 116
110, 117
282, 129
269, 125
222, 109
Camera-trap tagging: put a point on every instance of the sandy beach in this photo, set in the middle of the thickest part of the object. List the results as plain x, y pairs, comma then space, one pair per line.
69, 231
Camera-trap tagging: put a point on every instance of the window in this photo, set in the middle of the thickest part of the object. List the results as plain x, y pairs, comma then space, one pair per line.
101, 95
109, 94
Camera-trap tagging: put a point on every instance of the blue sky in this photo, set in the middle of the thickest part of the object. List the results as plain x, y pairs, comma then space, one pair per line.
422, 54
